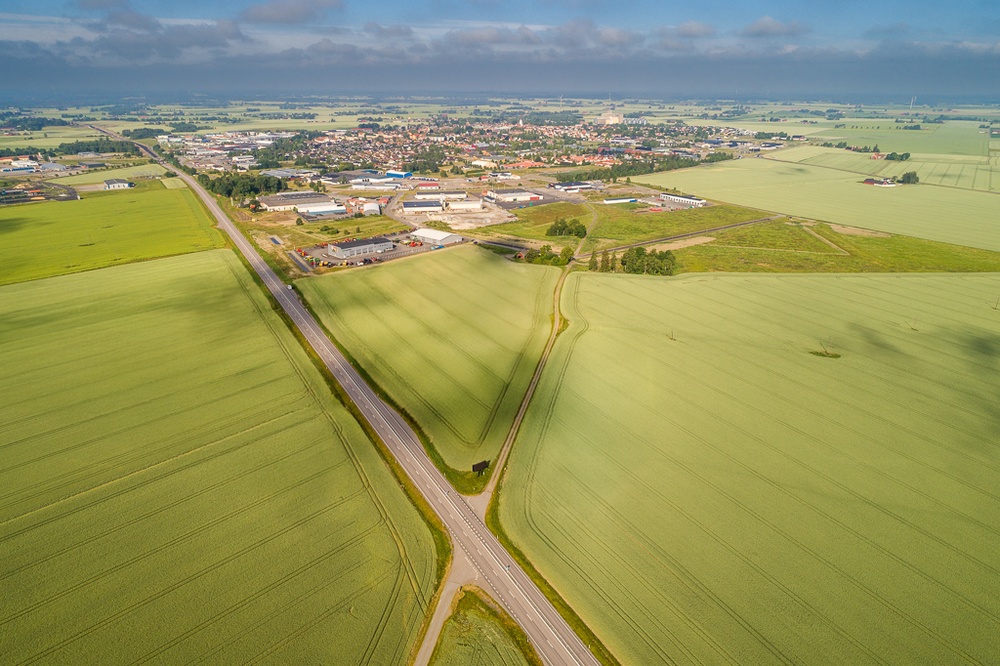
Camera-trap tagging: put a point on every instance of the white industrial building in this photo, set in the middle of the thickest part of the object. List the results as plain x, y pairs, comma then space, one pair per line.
692, 202
464, 206
435, 206
117, 184
371, 208
291, 200
327, 208
348, 249
436, 237
513, 196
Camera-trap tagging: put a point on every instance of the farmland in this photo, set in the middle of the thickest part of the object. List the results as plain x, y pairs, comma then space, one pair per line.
444, 342
49, 137
178, 484
943, 214
92, 177
102, 229
756, 469
968, 172
619, 225
478, 633
801, 247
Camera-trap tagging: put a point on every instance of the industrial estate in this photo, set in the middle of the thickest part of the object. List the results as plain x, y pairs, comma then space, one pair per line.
500, 381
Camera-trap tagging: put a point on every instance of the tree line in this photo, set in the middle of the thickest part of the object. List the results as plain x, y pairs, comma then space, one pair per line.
241, 186
635, 261
563, 227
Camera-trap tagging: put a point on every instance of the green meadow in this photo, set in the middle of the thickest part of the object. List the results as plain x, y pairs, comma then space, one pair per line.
949, 215
94, 177
782, 246
101, 229
765, 469
626, 223
478, 632
453, 337
178, 485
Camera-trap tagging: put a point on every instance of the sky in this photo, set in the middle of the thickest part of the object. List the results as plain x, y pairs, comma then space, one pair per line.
669, 49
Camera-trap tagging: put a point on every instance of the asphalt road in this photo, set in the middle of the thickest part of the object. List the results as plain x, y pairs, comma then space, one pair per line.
552, 637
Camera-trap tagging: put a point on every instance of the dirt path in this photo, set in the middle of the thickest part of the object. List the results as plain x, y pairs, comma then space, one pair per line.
690, 234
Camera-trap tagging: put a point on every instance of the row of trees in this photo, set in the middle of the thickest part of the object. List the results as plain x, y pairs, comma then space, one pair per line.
241, 186
563, 227
636, 168
636, 260
547, 257
897, 157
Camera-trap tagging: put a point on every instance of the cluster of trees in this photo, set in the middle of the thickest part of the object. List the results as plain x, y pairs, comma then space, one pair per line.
636, 168
241, 186
636, 260
547, 257
102, 145
564, 227
427, 160
13, 120
897, 157
143, 133
282, 149
909, 178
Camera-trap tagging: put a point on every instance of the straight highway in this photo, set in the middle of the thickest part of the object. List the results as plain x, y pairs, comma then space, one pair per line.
551, 635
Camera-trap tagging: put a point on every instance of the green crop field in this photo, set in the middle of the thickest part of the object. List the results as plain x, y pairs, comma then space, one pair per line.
50, 137
92, 177
783, 247
102, 229
452, 336
478, 633
764, 469
177, 483
622, 224
949, 215
969, 172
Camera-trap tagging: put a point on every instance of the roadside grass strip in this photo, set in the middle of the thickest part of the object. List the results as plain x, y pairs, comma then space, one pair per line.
770, 469
452, 336
103, 229
177, 485
945, 214
478, 632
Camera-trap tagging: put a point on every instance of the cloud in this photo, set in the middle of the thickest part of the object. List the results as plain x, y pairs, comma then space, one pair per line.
388, 31
129, 18
769, 27
893, 31
288, 11
100, 5
694, 30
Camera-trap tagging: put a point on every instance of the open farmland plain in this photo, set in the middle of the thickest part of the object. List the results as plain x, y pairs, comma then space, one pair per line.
764, 469
622, 224
93, 177
452, 337
177, 484
102, 229
949, 215
478, 633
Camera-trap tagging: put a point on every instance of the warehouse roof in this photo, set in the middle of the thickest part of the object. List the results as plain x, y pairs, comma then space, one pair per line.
433, 234
361, 243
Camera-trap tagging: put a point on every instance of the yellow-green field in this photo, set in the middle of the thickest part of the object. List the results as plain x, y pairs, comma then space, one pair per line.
102, 229
178, 485
49, 137
766, 469
91, 177
449, 346
477, 632
793, 247
944, 214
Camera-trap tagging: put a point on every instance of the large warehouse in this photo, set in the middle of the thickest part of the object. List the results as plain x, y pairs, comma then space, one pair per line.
511, 196
436, 237
467, 205
423, 206
290, 200
348, 249
693, 202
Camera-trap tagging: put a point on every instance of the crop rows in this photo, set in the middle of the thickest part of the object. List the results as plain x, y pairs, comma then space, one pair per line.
443, 341
173, 491
713, 491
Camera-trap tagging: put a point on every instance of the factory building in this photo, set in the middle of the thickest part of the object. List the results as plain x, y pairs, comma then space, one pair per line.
691, 202
435, 206
513, 196
117, 184
349, 249
436, 237
290, 200
464, 206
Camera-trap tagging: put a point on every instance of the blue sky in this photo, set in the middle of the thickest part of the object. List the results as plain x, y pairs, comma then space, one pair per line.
662, 49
